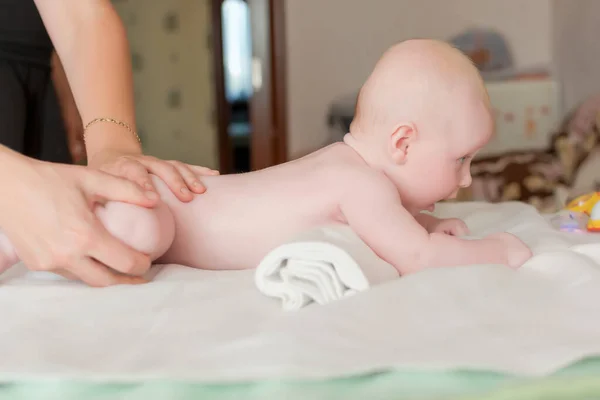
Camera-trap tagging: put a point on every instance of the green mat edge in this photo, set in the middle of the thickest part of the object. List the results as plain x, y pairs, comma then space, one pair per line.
579, 381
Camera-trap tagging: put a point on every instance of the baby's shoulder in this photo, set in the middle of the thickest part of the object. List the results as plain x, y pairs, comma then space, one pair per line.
341, 170
359, 178
342, 165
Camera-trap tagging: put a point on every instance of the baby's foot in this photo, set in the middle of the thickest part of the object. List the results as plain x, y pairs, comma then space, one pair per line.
8, 256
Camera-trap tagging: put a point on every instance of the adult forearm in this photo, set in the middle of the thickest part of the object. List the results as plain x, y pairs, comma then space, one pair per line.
91, 42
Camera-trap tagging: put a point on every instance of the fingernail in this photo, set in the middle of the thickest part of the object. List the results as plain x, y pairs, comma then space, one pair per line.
196, 183
185, 190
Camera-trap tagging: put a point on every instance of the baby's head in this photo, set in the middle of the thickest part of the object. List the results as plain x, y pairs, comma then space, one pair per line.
420, 117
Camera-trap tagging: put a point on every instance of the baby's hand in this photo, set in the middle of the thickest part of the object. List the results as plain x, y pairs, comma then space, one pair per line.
517, 252
450, 226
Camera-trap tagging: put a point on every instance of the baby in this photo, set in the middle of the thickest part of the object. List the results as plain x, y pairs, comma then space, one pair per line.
420, 117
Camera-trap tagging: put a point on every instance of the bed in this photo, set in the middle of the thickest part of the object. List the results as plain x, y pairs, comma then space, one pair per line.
480, 331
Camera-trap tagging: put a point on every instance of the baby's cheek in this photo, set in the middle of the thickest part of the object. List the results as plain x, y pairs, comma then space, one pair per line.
453, 195
452, 182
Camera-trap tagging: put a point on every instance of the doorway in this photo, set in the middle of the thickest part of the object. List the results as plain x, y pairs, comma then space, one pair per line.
249, 68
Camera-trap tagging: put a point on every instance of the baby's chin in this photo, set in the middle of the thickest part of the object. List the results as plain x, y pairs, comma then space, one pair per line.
414, 210
430, 208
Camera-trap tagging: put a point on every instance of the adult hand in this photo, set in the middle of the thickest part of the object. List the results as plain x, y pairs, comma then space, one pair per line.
181, 178
48, 216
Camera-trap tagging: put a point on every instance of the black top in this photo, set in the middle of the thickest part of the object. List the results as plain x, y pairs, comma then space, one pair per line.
23, 36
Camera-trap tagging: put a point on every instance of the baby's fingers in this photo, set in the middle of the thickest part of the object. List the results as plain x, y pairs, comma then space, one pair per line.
460, 230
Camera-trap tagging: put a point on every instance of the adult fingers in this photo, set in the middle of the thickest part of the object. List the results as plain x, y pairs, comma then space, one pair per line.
95, 274
203, 170
137, 172
66, 274
130, 168
190, 178
170, 175
108, 187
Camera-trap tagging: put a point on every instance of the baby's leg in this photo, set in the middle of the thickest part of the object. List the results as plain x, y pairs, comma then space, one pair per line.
150, 231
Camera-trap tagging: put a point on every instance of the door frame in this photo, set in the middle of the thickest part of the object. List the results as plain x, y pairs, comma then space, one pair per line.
268, 105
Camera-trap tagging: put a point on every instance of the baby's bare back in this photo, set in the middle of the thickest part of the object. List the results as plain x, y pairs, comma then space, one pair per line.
242, 217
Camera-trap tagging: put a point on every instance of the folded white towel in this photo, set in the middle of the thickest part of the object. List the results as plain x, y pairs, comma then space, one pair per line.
321, 265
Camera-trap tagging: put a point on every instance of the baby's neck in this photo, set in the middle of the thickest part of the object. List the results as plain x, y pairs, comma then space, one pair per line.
367, 152
363, 149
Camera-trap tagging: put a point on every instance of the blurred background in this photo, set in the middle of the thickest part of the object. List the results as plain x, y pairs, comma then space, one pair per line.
244, 84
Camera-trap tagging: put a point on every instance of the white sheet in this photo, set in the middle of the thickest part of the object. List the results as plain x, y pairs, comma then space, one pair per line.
216, 326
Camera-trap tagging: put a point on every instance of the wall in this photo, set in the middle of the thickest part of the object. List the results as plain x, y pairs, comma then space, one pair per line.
172, 76
576, 31
333, 45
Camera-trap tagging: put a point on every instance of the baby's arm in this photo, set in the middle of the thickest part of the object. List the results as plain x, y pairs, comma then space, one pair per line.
426, 221
376, 214
449, 226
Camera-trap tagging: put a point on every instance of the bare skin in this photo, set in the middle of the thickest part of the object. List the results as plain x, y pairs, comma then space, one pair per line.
46, 210
421, 116
94, 79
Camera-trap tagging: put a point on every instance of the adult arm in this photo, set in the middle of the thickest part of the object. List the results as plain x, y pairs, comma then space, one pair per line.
91, 42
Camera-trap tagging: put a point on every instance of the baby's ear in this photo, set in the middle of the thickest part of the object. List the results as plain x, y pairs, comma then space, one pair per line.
400, 141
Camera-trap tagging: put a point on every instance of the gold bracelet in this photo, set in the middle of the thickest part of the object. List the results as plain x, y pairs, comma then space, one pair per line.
114, 121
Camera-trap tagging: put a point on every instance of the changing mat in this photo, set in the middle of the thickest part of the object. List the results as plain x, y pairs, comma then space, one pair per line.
210, 326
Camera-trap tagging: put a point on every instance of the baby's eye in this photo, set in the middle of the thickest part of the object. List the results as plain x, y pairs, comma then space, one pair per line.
463, 159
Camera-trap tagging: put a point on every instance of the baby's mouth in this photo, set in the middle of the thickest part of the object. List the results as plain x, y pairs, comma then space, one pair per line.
431, 208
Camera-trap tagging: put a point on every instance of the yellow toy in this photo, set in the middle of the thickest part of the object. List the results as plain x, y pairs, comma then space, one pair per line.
590, 205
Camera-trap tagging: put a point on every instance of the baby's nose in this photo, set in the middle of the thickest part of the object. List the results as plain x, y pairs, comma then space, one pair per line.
466, 180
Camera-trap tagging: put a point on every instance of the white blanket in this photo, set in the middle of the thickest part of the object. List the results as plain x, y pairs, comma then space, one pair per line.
320, 266
217, 327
